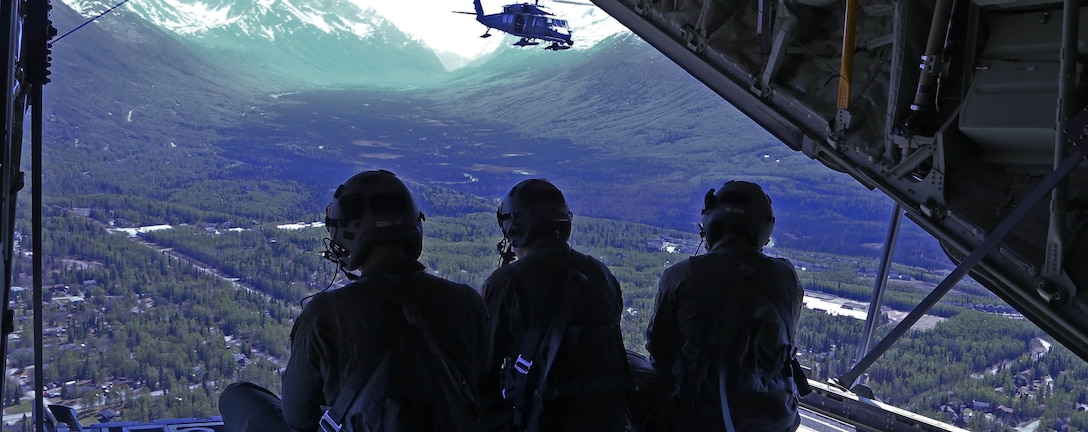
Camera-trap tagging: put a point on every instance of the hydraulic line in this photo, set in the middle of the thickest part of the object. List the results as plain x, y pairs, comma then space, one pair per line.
923, 110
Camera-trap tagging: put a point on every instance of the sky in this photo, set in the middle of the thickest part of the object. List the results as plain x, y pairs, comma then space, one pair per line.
434, 22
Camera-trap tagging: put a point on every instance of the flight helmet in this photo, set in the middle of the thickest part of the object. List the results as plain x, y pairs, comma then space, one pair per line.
370, 208
737, 207
534, 210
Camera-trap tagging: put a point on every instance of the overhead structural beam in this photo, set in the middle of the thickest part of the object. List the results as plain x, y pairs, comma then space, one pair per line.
1053, 267
11, 180
880, 284
1022, 209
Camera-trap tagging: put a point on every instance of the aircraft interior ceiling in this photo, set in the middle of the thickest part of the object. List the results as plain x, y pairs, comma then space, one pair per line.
950, 107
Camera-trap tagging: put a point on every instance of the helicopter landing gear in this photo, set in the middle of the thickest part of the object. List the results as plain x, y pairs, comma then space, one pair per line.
486, 34
526, 42
556, 46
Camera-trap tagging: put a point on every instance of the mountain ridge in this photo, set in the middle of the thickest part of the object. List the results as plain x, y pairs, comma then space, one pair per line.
293, 44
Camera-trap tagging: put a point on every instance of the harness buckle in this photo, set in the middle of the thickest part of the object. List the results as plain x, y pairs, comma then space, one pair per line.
522, 366
327, 424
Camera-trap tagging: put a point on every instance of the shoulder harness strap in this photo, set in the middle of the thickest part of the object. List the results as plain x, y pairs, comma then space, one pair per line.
333, 418
528, 406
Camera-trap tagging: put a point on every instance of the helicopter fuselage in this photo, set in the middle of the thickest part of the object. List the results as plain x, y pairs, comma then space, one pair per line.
528, 21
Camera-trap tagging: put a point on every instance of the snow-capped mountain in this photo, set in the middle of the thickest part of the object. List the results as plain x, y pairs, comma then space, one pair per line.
260, 19
312, 41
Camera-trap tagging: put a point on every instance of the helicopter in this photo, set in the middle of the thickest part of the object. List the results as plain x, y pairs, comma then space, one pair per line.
530, 21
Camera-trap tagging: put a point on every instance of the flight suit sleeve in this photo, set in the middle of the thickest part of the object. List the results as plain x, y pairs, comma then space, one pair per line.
797, 303
302, 380
791, 297
663, 333
478, 334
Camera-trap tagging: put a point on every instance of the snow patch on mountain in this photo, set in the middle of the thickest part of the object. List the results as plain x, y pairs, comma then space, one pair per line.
264, 18
589, 25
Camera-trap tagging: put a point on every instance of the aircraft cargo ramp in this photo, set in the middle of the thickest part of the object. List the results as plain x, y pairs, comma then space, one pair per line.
810, 422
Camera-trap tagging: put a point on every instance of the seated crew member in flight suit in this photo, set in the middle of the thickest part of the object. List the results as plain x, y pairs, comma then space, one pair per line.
362, 328
551, 300
724, 323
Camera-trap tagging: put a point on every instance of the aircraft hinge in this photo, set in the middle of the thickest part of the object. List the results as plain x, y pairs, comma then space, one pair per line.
693, 39
932, 210
1054, 290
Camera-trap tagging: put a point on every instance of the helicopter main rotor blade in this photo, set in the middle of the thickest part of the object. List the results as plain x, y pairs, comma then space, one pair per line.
582, 3
463, 12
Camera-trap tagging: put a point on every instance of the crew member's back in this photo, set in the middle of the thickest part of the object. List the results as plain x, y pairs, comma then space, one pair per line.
552, 296
398, 349
724, 325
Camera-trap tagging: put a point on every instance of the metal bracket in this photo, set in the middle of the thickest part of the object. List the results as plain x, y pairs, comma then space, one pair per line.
933, 65
908, 164
878, 41
844, 119
782, 31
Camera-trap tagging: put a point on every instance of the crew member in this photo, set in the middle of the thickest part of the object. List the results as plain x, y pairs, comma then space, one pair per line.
725, 323
557, 361
404, 347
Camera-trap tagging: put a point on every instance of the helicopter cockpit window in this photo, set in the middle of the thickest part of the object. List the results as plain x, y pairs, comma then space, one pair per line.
555, 24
